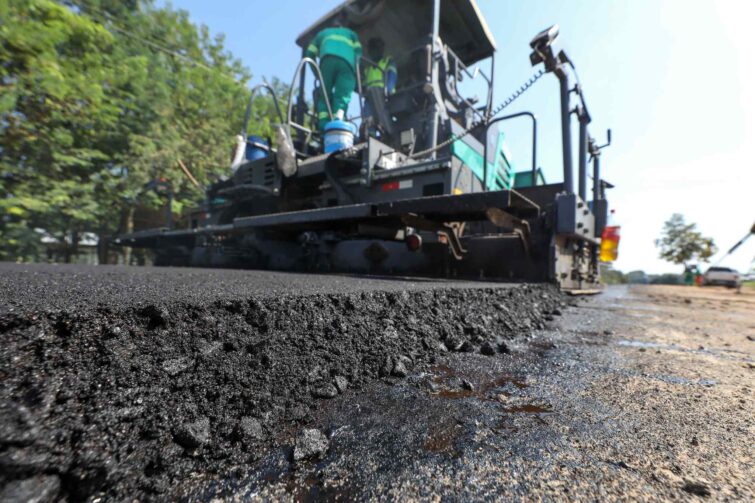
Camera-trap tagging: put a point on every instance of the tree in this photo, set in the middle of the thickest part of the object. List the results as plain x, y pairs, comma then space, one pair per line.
98, 98
680, 242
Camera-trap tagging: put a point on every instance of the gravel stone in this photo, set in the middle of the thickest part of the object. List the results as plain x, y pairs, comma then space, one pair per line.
17, 426
487, 349
194, 434
310, 443
399, 369
250, 428
175, 366
326, 390
42, 489
341, 383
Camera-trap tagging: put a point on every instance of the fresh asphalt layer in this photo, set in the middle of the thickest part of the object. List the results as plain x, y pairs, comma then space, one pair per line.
128, 383
33, 287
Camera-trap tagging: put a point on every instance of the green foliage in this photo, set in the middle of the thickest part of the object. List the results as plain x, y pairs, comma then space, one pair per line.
97, 98
667, 279
681, 243
611, 276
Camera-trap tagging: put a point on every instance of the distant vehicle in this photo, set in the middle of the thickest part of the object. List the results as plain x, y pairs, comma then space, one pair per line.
722, 276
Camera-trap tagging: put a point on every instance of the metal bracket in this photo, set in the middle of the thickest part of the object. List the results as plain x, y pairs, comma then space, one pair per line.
520, 227
451, 231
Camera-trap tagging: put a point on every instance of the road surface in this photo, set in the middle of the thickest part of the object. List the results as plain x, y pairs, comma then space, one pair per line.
159, 384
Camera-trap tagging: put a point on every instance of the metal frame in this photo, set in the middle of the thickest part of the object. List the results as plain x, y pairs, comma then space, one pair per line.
290, 123
534, 144
250, 105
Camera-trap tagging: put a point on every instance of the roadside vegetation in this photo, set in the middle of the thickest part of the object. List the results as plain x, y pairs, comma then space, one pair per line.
97, 100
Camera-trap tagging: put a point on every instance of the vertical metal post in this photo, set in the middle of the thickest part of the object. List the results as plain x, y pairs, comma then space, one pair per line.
492, 86
583, 155
433, 73
596, 192
169, 210
301, 105
563, 80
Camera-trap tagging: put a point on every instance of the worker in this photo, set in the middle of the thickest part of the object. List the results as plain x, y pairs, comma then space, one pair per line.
338, 50
380, 76
381, 70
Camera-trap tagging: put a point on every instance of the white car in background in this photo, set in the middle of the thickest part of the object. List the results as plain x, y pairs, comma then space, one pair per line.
722, 276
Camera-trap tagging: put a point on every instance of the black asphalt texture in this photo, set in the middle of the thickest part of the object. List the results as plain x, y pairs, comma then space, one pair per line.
46, 287
126, 383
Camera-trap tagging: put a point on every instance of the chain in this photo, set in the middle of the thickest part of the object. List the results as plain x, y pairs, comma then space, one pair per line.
487, 118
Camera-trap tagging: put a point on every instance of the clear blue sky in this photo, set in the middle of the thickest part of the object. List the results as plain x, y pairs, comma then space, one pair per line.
674, 80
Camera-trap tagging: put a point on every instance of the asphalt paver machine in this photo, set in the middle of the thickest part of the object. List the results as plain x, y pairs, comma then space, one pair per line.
428, 189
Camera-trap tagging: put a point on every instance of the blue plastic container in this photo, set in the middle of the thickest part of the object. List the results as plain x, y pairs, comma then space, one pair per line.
256, 148
339, 135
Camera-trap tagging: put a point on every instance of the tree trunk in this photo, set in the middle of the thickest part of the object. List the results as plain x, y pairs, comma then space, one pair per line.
66, 248
129, 229
103, 248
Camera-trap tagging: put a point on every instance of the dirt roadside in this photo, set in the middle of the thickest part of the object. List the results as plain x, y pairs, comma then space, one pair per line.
642, 393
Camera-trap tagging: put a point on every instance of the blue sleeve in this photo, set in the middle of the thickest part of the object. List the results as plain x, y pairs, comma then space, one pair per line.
391, 77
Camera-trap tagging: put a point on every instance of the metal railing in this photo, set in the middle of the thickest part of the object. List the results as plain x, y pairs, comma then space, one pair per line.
289, 121
460, 68
534, 146
250, 105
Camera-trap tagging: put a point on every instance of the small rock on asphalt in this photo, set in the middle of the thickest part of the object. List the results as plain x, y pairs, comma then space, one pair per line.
309, 444
195, 434
696, 488
33, 490
487, 349
17, 427
399, 368
341, 383
250, 428
175, 366
326, 390
503, 347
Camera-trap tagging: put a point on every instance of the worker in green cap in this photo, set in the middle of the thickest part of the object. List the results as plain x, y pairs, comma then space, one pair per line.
339, 50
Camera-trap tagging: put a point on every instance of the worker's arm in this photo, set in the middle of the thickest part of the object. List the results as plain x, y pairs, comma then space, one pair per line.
313, 49
391, 77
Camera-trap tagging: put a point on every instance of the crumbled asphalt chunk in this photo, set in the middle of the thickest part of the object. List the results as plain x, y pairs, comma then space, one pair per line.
502, 347
17, 426
158, 315
194, 434
466, 347
310, 443
42, 489
467, 385
696, 488
250, 428
487, 349
175, 366
400, 367
387, 367
139, 411
341, 383
325, 390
